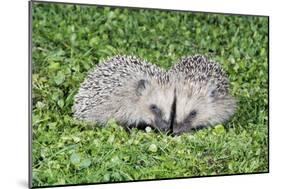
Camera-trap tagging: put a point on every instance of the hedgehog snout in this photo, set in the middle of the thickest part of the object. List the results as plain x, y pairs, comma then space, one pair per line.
179, 128
162, 125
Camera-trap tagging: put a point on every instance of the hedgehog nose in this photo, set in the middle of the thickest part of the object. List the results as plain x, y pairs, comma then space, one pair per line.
162, 125
167, 130
175, 132
178, 129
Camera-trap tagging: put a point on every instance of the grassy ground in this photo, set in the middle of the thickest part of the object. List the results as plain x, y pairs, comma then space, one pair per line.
69, 40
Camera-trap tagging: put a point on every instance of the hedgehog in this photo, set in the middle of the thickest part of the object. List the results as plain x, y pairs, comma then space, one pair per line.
134, 92
201, 93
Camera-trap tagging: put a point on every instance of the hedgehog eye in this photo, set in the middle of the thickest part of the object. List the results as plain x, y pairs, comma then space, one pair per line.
155, 109
193, 113
213, 93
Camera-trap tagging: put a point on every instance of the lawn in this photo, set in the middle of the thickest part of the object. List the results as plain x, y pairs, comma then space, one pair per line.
69, 40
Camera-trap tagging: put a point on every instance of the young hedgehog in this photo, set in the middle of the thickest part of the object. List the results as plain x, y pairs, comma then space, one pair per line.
133, 92
201, 95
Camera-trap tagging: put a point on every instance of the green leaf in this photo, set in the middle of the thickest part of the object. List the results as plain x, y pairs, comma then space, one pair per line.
106, 177
112, 123
218, 129
54, 66
152, 148
61, 103
75, 158
76, 139
40, 105
73, 38
59, 78
115, 159
85, 163
94, 41
111, 139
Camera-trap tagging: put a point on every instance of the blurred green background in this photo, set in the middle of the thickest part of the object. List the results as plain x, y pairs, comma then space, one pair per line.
68, 40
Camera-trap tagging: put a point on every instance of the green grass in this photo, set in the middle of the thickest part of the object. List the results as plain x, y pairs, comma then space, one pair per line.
69, 40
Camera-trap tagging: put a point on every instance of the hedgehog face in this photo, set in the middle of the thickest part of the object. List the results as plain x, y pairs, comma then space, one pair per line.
154, 104
200, 106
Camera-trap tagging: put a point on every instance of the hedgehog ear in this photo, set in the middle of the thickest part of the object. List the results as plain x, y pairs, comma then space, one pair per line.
213, 93
141, 86
212, 90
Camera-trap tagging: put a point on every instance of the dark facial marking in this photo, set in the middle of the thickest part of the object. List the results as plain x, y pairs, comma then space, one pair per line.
186, 125
160, 123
